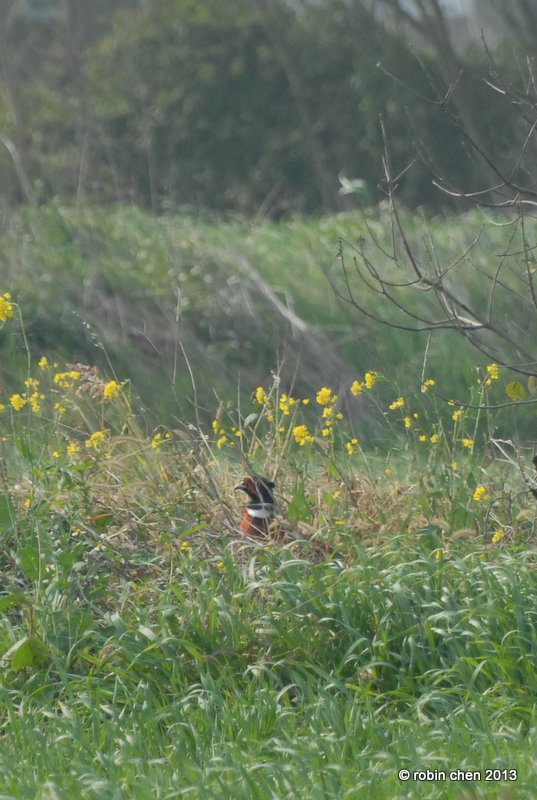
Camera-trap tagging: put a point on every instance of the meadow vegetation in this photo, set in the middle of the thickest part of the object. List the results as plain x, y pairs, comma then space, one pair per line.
148, 650
238, 300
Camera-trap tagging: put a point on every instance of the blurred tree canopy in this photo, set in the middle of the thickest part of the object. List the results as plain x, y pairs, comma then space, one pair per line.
247, 106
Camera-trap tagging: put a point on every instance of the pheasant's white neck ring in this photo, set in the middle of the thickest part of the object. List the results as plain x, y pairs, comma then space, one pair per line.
259, 513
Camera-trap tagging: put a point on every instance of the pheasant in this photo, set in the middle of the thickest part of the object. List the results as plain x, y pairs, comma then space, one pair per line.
258, 516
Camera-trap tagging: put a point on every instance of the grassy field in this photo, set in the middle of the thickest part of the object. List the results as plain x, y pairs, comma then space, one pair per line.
148, 649
167, 301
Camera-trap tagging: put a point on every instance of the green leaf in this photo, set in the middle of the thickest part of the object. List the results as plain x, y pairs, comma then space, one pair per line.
332, 470
299, 509
6, 511
27, 652
10, 600
29, 561
515, 391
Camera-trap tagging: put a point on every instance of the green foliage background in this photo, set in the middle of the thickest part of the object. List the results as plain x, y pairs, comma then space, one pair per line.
197, 105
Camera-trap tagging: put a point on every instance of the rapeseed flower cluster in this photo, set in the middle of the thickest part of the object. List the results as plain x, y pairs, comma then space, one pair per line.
6, 307
286, 403
96, 439
399, 403
32, 397
260, 396
493, 372
324, 396
66, 379
219, 431
357, 387
111, 390
156, 441
302, 435
351, 446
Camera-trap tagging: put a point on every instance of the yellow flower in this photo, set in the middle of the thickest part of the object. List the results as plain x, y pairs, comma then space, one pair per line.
457, 415
426, 385
454, 466
399, 403
497, 536
66, 379
2, 407
156, 441
422, 438
17, 401
96, 439
43, 362
469, 443
260, 396
356, 388
408, 422
302, 435
221, 441
306, 401
31, 383
435, 438
184, 545
493, 371
351, 446
324, 396
370, 380
285, 403
339, 415
35, 401
480, 493
6, 307
217, 428
327, 412
111, 390
325, 432
59, 408
220, 565
55, 454
73, 448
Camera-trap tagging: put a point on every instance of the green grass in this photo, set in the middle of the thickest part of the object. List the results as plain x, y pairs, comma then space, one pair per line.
274, 677
117, 286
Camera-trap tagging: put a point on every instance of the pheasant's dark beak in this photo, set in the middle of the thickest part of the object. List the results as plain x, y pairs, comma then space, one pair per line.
241, 486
